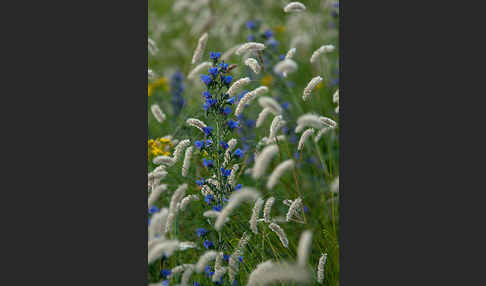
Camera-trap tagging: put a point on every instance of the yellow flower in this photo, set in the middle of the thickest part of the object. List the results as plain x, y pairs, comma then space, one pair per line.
159, 147
161, 82
279, 29
267, 80
320, 85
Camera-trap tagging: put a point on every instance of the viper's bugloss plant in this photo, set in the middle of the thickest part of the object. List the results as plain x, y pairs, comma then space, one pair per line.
222, 124
177, 88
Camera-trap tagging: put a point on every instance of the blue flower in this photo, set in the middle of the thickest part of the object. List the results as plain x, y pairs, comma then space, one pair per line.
206, 79
224, 145
208, 244
213, 72
153, 209
199, 144
227, 110
208, 199
200, 182
225, 172
231, 100
218, 208
281, 57
286, 105
196, 284
237, 187
214, 55
306, 209
201, 231
226, 79
251, 25
232, 124
206, 106
208, 271
226, 257
235, 282
206, 94
272, 43
239, 153
165, 283
165, 272
209, 142
207, 163
268, 34
223, 67
209, 102
207, 130
240, 258
250, 38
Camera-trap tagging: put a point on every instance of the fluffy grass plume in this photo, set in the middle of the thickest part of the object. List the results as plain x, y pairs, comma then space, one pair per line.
310, 87
237, 85
247, 98
250, 46
255, 214
278, 172
280, 233
205, 259
294, 7
201, 45
253, 64
263, 159
303, 249
279, 272
157, 112
267, 209
320, 51
303, 138
245, 194
320, 268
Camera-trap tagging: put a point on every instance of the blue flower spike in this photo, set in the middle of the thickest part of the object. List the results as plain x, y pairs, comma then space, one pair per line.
208, 163
208, 244
214, 56
233, 124
153, 209
200, 182
165, 272
201, 232
206, 79
239, 153
207, 130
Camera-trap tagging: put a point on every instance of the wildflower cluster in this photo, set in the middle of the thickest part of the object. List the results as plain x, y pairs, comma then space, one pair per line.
158, 147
